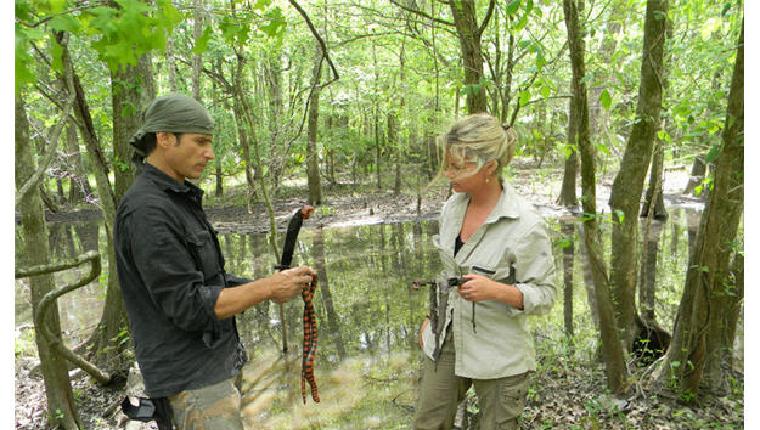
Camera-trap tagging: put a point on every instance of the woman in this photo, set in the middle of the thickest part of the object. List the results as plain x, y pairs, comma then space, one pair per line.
498, 245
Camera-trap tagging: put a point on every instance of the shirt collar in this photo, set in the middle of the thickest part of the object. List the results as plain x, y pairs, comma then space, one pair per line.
506, 207
166, 182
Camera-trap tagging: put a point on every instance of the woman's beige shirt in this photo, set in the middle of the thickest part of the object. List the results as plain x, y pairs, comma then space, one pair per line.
514, 234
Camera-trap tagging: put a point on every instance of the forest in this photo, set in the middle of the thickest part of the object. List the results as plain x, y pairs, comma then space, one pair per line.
630, 124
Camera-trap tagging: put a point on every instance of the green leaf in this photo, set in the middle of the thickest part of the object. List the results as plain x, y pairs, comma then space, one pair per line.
57, 6
276, 22
546, 91
712, 154
726, 8
57, 57
664, 136
540, 59
24, 73
620, 216
65, 23
603, 148
605, 99
521, 23
513, 7
524, 97
201, 45
525, 43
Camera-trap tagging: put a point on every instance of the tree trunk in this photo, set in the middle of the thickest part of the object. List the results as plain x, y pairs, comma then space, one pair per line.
61, 408
79, 185
698, 169
648, 273
613, 351
315, 186
625, 197
394, 144
197, 58
568, 258
708, 296
567, 197
274, 85
393, 126
171, 66
113, 317
333, 321
656, 179
240, 119
469, 34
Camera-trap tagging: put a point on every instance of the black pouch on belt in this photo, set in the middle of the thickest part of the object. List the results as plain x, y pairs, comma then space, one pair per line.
149, 409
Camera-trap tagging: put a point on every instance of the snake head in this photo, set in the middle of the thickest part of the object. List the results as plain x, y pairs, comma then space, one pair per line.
306, 211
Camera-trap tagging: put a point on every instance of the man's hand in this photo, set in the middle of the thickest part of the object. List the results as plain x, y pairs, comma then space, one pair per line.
287, 284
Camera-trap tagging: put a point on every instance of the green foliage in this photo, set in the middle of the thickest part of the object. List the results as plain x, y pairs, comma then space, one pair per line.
605, 99
119, 34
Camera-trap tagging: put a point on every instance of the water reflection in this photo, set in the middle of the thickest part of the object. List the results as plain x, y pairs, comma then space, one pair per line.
367, 360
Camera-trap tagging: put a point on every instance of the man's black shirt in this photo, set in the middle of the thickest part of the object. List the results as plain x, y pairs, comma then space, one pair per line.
171, 272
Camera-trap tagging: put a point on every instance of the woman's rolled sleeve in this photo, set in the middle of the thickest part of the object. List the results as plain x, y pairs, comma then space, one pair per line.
535, 271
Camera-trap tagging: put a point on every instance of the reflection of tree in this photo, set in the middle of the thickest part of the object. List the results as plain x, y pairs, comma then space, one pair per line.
333, 325
651, 245
88, 236
568, 257
60, 242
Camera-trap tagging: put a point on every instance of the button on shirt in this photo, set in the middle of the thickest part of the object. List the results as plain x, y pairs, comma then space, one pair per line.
171, 272
514, 236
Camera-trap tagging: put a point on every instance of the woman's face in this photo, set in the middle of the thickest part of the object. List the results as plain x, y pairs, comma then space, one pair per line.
464, 176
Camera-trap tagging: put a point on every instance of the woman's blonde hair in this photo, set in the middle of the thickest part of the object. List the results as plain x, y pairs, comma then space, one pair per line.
481, 138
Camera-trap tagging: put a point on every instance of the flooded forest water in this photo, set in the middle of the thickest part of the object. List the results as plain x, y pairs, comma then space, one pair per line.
368, 363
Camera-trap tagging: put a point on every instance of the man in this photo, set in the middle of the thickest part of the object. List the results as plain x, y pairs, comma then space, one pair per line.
180, 302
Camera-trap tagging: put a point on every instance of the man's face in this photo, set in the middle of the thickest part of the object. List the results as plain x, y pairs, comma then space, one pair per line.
187, 156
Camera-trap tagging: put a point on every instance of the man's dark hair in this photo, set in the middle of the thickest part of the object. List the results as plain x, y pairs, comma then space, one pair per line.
149, 144
150, 140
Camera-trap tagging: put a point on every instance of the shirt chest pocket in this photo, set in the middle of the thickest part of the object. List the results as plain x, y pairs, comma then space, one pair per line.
202, 248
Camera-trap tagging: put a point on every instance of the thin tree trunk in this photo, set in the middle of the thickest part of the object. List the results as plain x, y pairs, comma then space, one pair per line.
170, 64
469, 33
568, 258
698, 169
656, 179
315, 185
79, 183
61, 408
613, 351
625, 197
567, 196
197, 63
648, 273
333, 321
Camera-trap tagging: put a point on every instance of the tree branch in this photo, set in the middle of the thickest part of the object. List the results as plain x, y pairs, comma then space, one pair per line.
52, 143
423, 14
487, 18
325, 53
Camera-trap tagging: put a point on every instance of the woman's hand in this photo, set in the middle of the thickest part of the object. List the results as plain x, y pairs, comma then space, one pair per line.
424, 325
478, 288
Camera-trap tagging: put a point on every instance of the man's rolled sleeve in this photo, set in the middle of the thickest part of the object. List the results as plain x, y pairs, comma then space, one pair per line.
167, 269
535, 271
